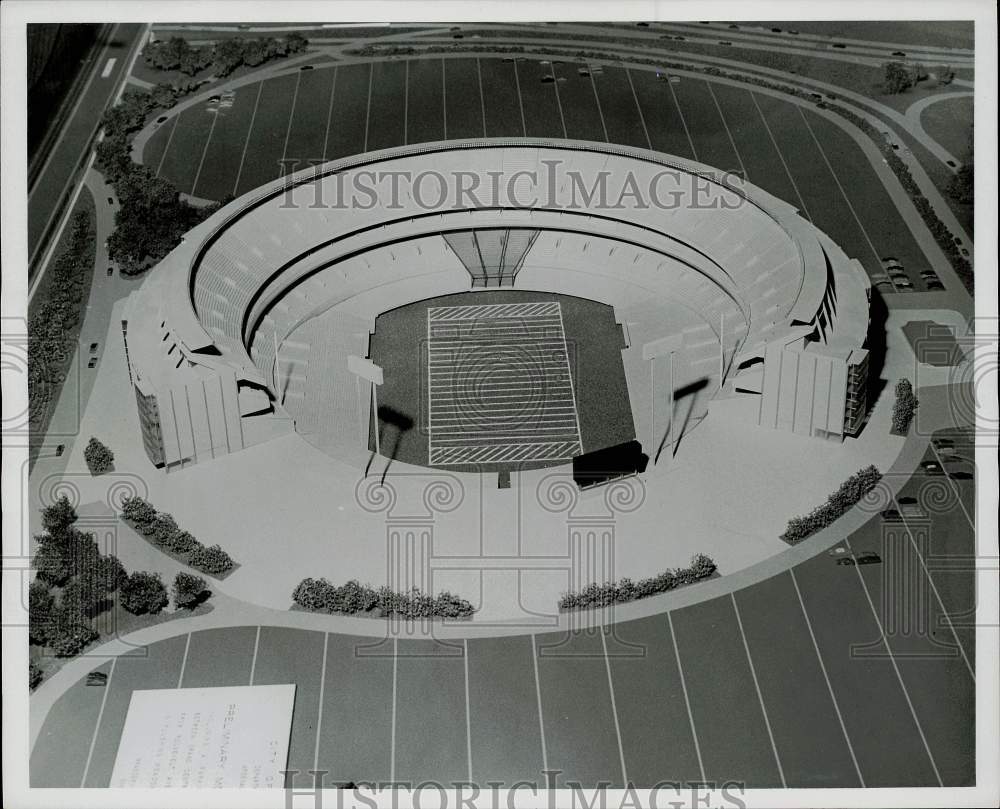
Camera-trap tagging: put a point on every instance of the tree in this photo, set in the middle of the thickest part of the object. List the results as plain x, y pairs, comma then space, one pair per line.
81, 596
59, 516
70, 633
34, 675
904, 408
897, 79
52, 563
98, 457
189, 591
143, 593
41, 604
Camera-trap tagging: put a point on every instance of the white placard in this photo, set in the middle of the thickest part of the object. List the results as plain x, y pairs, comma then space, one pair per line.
203, 738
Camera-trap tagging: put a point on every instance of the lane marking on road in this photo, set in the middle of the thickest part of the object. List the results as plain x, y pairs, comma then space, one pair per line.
760, 696
954, 486
406, 101
97, 726
732, 140
614, 708
444, 101
687, 131
687, 701
600, 112
368, 104
288, 128
108, 67
482, 98
555, 86
204, 151
826, 677
170, 139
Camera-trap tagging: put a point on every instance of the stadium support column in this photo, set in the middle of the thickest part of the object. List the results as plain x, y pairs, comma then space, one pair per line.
722, 348
277, 370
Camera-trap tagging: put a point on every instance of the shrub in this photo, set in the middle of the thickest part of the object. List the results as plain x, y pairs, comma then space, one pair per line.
34, 675
624, 590
849, 493
182, 542
319, 595
189, 591
143, 593
212, 560
904, 408
137, 511
162, 528
59, 516
98, 457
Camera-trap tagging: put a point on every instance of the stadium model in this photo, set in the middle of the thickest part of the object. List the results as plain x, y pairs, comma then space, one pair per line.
769, 311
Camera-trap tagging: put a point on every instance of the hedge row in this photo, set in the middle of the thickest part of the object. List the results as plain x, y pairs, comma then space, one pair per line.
849, 493
162, 529
319, 595
618, 592
905, 407
943, 236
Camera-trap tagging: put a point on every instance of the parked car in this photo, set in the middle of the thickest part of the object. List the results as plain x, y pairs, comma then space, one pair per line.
92, 363
904, 283
935, 286
93, 348
869, 558
840, 550
306, 67
942, 442
838, 45
60, 449
899, 53
891, 514
98, 678
111, 200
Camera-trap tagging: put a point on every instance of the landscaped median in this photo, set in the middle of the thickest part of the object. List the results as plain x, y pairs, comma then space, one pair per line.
353, 598
851, 491
624, 590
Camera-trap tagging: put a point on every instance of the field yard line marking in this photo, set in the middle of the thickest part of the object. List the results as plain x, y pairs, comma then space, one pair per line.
204, 151
482, 98
895, 666
468, 713
954, 486
597, 100
638, 106
329, 111
760, 696
732, 140
392, 743
444, 101
569, 373
253, 663
246, 143
319, 715
406, 100
368, 107
781, 156
687, 701
614, 708
291, 117
555, 86
170, 138
184, 660
97, 726
826, 677
680, 112
520, 100
836, 179
934, 588
538, 699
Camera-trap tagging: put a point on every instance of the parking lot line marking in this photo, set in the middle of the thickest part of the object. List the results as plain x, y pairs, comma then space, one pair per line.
836, 179
368, 106
166, 148
184, 660
246, 143
538, 698
732, 140
687, 701
781, 156
680, 112
555, 86
826, 677
444, 101
614, 708
482, 98
895, 667
642, 118
392, 743
253, 662
760, 696
97, 726
468, 716
204, 151
329, 111
597, 100
291, 117
934, 589
520, 101
406, 99
319, 714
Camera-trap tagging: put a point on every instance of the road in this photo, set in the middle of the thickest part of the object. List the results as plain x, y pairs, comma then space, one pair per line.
54, 187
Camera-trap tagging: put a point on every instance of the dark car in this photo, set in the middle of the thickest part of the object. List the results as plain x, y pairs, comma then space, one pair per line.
98, 678
869, 558
733, 25
306, 67
935, 286
111, 271
898, 53
847, 560
92, 363
724, 42
111, 200
943, 442
60, 449
891, 514
838, 45
93, 348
